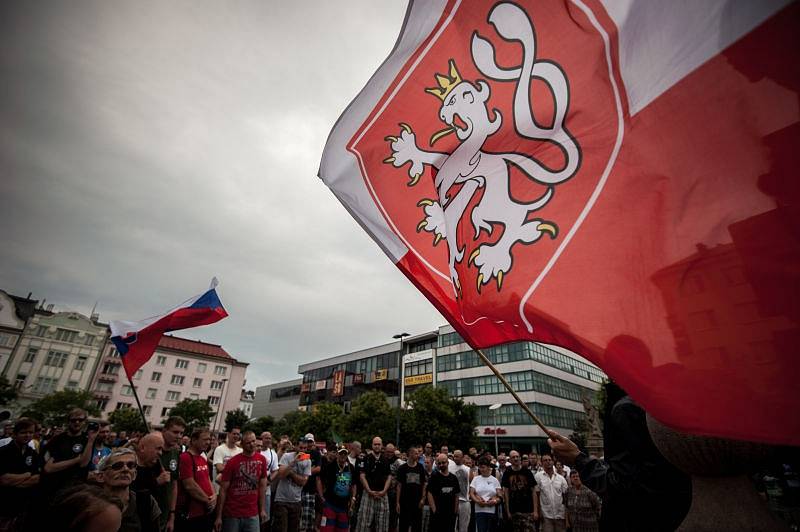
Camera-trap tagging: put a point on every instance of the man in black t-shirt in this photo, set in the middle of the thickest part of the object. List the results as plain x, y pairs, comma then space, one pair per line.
308, 519
67, 455
518, 487
19, 474
443, 492
375, 478
336, 487
411, 481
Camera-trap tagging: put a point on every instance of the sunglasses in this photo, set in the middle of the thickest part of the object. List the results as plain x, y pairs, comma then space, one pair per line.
116, 466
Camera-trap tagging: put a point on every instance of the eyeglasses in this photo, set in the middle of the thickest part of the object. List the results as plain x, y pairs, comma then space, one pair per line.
116, 466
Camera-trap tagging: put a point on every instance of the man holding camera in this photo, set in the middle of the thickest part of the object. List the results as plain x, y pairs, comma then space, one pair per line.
294, 468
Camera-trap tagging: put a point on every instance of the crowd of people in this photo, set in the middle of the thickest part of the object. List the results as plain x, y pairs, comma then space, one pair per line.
87, 477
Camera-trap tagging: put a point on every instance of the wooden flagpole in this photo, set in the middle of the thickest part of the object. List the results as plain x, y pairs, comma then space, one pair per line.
503, 380
138, 403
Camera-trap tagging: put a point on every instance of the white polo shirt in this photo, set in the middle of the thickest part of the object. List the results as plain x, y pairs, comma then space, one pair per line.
551, 494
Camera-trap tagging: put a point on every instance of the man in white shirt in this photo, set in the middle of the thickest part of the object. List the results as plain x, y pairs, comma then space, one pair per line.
272, 465
549, 497
225, 452
461, 472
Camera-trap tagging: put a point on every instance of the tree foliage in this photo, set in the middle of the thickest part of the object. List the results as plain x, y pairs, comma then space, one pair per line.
580, 433
293, 424
433, 416
7, 392
370, 416
52, 410
235, 418
262, 424
127, 419
196, 413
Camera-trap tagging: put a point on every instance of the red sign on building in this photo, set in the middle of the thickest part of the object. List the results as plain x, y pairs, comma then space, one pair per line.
489, 430
338, 383
358, 378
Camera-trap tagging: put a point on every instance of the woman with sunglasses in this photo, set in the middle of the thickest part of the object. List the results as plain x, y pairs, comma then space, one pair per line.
118, 472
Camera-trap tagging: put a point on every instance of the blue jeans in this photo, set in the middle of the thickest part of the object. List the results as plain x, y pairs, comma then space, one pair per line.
485, 522
241, 524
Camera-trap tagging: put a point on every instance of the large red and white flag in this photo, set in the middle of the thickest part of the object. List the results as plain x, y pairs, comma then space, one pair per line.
615, 177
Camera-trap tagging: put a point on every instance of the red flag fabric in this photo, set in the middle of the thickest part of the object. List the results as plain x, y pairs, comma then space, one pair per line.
612, 177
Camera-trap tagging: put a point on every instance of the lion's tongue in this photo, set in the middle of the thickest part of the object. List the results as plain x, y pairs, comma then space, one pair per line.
457, 122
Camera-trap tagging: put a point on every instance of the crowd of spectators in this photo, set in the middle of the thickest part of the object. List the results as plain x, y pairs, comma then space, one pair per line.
88, 477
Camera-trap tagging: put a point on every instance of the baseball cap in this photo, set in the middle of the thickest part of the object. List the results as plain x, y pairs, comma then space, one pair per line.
309, 437
342, 449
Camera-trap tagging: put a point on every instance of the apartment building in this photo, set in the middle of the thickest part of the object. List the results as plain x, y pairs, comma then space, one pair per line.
180, 368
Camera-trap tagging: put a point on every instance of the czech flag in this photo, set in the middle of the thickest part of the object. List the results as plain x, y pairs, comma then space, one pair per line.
137, 340
618, 178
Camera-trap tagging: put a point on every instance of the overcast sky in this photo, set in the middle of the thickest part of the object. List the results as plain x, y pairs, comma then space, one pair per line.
148, 146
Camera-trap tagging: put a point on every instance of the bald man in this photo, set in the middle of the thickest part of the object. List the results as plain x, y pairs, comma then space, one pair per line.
151, 475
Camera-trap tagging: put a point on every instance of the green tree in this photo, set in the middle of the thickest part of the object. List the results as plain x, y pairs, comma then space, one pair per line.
294, 423
196, 413
325, 420
127, 419
7, 392
370, 416
433, 416
52, 410
235, 418
262, 424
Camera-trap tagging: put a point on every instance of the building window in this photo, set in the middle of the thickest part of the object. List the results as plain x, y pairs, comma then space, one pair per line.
41, 330
113, 353
6, 339
220, 370
20, 381
181, 363
201, 367
89, 340
65, 335
44, 385
161, 360
111, 368
102, 404
80, 363
151, 393
106, 387
176, 379
56, 359
71, 385
147, 409
156, 377
216, 385
197, 383
165, 411
138, 374
30, 356
173, 396
126, 390
120, 406
213, 400
194, 396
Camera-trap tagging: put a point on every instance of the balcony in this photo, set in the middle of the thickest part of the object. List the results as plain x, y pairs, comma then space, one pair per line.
107, 377
102, 394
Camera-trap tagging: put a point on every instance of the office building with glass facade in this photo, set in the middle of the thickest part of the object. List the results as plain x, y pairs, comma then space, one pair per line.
551, 380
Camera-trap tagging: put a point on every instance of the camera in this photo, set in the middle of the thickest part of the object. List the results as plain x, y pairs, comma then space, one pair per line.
93, 426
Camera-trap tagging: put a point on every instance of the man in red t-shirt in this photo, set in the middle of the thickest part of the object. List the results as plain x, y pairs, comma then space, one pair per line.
242, 490
196, 498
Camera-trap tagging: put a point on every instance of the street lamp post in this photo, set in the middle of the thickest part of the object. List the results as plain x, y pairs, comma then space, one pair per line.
400, 337
219, 406
494, 408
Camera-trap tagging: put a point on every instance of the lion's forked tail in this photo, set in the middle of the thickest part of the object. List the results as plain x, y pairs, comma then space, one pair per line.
513, 24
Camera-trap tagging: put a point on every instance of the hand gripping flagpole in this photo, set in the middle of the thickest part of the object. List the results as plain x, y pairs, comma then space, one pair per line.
519, 400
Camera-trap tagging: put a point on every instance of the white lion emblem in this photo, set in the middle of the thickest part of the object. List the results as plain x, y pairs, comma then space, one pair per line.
464, 109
